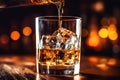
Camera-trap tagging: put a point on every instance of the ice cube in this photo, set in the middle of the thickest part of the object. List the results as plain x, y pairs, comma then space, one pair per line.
48, 41
60, 39
63, 34
72, 43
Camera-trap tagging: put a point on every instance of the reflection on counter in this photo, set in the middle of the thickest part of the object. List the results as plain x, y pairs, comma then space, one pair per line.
103, 66
92, 68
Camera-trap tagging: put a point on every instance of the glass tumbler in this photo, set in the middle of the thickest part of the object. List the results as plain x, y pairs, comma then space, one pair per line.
58, 48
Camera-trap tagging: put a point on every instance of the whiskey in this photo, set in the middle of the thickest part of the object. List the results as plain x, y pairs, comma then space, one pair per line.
58, 60
52, 57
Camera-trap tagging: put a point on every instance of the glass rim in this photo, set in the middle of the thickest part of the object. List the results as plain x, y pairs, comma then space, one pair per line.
55, 18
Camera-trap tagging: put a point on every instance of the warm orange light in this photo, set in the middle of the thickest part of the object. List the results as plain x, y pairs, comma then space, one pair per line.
93, 59
112, 27
113, 35
27, 31
112, 62
103, 66
103, 33
103, 60
15, 35
98, 6
93, 39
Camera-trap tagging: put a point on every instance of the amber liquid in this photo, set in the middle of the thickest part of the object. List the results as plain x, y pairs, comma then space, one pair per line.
59, 62
60, 12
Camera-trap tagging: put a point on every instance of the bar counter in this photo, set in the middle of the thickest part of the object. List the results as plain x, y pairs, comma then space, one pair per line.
22, 67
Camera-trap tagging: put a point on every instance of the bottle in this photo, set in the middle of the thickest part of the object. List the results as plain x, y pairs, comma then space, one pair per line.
47, 2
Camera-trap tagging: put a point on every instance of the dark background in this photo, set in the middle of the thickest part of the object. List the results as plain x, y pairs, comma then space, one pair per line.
13, 16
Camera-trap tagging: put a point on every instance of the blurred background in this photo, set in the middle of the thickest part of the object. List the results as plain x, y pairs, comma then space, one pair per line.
100, 25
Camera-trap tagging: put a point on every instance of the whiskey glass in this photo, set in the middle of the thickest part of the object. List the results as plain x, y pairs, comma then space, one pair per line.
58, 48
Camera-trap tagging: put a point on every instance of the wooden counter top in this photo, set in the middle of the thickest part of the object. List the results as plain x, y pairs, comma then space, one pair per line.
92, 68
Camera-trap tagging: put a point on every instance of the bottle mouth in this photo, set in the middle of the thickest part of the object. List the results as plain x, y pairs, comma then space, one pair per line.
46, 1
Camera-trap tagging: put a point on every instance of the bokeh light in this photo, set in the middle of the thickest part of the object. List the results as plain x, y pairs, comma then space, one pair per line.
112, 62
113, 35
27, 31
15, 35
103, 64
112, 27
103, 67
103, 33
93, 59
103, 60
98, 6
93, 40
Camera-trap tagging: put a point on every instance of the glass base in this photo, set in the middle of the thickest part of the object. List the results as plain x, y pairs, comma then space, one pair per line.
59, 70
60, 77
